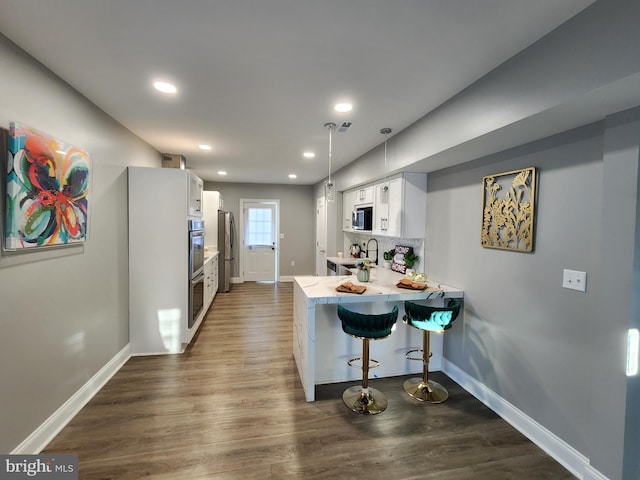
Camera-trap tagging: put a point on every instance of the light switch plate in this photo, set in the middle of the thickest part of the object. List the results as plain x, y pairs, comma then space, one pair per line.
574, 280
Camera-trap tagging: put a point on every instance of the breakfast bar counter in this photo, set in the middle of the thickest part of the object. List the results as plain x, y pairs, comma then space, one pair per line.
321, 349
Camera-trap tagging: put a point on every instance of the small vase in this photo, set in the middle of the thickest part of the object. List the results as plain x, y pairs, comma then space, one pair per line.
386, 265
363, 275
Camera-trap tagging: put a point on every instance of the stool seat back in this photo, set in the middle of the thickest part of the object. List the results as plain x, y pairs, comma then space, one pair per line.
364, 325
434, 319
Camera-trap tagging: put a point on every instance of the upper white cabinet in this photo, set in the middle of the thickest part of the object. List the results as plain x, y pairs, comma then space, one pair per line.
348, 204
195, 195
211, 203
382, 212
407, 206
399, 210
364, 195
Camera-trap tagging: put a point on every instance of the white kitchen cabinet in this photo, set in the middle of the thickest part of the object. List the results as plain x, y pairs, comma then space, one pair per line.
158, 260
364, 195
210, 280
348, 204
211, 202
401, 210
381, 213
195, 195
214, 276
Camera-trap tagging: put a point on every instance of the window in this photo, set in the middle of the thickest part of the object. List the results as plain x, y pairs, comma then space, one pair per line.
259, 230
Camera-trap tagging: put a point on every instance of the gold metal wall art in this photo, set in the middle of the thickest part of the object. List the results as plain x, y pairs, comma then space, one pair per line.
508, 210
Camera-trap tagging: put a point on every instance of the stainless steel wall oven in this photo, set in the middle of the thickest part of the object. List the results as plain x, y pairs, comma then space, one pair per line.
196, 298
196, 247
196, 269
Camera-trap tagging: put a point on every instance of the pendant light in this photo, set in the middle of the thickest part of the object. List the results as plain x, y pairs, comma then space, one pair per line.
385, 190
330, 188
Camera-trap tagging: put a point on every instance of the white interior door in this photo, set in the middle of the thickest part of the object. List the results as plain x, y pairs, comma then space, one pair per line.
259, 242
321, 236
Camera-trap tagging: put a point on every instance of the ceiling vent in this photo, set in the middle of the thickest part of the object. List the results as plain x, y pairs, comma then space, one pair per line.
172, 160
344, 126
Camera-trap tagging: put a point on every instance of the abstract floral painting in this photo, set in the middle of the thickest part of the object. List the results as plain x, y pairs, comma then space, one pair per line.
47, 191
508, 210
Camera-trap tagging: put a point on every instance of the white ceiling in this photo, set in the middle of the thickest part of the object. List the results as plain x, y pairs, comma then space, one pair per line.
258, 79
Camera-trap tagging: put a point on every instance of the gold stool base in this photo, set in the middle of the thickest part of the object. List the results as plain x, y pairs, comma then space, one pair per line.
431, 392
370, 403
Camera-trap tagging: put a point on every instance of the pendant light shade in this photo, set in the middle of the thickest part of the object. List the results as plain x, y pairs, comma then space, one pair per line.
330, 188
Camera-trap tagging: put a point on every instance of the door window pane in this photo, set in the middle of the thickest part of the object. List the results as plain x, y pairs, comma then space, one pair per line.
259, 230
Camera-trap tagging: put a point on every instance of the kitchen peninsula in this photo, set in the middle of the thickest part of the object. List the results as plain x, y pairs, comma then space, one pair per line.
321, 349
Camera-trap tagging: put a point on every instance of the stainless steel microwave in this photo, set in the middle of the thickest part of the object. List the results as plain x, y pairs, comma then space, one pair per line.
362, 218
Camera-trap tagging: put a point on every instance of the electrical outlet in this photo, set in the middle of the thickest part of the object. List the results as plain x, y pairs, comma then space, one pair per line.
574, 280
293, 263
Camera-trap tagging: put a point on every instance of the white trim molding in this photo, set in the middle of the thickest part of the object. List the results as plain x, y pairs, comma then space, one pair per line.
557, 448
591, 473
46, 432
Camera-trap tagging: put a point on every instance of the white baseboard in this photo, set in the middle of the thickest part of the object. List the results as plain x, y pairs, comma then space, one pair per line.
280, 279
557, 448
591, 473
41, 437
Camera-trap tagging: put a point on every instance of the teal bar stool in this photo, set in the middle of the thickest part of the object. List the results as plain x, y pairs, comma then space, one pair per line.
363, 398
428, 319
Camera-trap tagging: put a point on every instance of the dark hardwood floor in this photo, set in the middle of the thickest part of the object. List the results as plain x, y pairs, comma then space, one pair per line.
232, 407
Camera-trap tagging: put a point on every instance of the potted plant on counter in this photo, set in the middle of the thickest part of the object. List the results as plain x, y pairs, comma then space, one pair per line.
410, 259
388, 256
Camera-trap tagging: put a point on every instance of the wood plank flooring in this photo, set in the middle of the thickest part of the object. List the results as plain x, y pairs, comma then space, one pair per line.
232, 407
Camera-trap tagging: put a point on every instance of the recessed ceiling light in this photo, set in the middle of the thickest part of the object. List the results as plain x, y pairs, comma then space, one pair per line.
204, 147
309, 154
343, 107
221, 172
165, 87
293, 175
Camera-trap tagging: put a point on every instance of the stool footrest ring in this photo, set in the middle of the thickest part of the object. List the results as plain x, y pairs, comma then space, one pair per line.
372, 362
416, 350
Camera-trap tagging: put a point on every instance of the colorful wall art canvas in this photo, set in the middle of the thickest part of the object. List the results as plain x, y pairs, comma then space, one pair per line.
47, 195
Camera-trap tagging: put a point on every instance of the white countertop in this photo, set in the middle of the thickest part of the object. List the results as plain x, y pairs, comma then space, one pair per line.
343, 260
210, 254
382, 283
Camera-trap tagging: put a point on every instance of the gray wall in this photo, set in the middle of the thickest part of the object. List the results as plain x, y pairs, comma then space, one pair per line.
64, 315
632, 418
555, 354
297, 220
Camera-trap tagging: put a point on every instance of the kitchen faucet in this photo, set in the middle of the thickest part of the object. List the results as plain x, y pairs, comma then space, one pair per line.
376, 250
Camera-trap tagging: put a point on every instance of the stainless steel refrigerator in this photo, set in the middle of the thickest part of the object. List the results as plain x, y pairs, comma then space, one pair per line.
226, 232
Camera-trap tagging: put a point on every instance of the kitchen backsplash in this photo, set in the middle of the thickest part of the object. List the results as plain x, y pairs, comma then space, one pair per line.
385, 244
